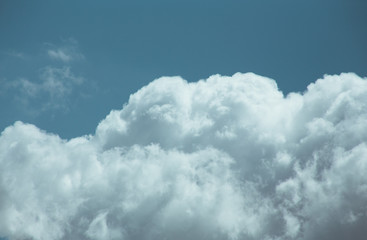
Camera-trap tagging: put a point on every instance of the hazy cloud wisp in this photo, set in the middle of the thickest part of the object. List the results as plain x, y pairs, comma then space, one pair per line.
51, 90
67, 53
55, 84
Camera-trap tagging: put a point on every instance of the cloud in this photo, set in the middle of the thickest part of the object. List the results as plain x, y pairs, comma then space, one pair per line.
17, 54
52, 89
54, 86
59, 82
66, 53
221, 158
59, 54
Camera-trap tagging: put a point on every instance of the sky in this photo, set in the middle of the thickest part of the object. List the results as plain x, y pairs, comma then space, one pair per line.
183, 120
126, 44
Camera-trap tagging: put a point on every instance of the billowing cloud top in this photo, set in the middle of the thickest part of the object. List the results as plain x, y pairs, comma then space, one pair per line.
222, 158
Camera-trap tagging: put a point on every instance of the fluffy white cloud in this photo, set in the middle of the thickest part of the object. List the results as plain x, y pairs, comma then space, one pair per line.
222, 158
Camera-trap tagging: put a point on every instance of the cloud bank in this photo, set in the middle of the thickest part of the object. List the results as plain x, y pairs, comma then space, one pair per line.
221, 158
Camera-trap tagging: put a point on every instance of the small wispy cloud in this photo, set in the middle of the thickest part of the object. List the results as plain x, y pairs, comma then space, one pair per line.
59, 82
54, 85
16, 54
59, 54
52, 88
67, 52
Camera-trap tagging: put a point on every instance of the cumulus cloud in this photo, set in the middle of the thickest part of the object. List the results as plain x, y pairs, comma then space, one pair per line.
221, 158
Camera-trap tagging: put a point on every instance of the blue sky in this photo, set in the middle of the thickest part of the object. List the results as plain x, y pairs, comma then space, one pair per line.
119, 46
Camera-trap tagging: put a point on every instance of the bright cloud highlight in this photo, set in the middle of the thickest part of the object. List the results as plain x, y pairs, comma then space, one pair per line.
221, 158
